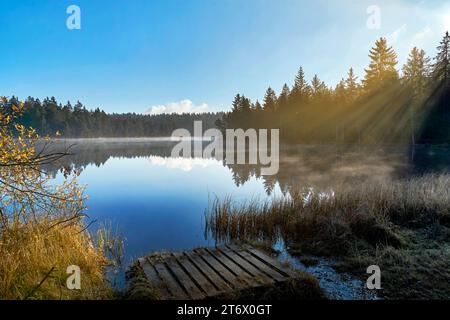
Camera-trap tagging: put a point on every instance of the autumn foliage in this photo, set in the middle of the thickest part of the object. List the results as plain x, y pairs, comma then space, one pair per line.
42, 227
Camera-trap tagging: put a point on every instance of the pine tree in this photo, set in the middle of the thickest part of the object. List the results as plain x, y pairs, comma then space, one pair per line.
440, 120
341, 93
416, 71
382, 68
270, 100
318, 87
441, 69
315, 84
351, 85
283, 99
245, 104
415, 75
236, 103
300, 90
258, 106
300, 83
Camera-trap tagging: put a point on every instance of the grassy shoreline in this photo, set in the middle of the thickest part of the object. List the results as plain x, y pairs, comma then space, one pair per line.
42, 227
35, 258
402, 225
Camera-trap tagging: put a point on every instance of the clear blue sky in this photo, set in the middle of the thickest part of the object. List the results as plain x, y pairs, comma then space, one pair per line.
131, 55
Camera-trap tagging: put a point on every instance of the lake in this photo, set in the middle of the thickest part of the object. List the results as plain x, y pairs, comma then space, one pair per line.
156, 202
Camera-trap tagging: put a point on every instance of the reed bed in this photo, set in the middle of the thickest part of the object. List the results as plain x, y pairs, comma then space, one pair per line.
328, 222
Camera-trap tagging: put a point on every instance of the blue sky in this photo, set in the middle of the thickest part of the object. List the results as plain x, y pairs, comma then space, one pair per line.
196, 54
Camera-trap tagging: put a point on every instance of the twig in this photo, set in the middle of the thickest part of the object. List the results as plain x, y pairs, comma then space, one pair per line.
87, 227
40, 283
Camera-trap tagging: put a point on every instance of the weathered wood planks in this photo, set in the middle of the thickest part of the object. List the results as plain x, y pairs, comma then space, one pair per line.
203, 273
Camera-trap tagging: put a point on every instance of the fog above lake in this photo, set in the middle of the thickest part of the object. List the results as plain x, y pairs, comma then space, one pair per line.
156, 202
300, 166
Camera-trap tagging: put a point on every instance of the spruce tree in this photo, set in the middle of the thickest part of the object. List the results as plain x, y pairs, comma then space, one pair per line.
341, 93
258, 106
439, 119
300, 90
382, 68
351, 85
237, 103
416, 71
300, 83
441, 69
318, 87
270, 100
415, 75
246, 104
283, 99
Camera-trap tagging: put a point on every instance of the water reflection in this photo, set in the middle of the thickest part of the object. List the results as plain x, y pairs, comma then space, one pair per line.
300, 166
183, 164
158, 203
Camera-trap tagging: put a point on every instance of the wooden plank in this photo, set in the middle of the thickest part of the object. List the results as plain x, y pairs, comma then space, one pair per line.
177, 292
274, 264
257, 275
200, 280
154, 279
210, 273
183, 278
237, 283
258, 264
239, 273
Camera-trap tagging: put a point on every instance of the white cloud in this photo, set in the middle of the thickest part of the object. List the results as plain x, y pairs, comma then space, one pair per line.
183, 164
184, 106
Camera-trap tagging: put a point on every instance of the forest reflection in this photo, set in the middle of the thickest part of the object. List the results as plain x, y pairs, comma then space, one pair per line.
321, 167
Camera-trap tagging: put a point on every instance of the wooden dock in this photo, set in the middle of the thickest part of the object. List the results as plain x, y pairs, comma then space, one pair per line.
204, 273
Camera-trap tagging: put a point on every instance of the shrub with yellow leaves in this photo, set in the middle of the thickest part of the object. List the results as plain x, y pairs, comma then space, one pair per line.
42, 227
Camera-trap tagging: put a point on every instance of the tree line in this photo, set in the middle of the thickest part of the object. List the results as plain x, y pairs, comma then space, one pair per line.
49, 117
388, 106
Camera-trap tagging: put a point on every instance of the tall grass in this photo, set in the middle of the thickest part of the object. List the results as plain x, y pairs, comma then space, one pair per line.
34, 261
42, 227
327, 222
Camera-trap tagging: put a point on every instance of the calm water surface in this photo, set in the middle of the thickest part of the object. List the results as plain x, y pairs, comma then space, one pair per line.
154, 201
157, 203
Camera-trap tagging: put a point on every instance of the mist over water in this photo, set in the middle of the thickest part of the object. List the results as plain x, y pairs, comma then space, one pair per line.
156, 202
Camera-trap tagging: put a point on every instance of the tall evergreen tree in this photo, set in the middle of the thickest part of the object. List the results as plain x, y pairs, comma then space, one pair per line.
415, 75
300, 83
416, 71
236, 105
318, 87
246, 104
283, 99
437, 123
270, 100
258, 107
351, 85
382, 68
300, 91
341, 93
441, 68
